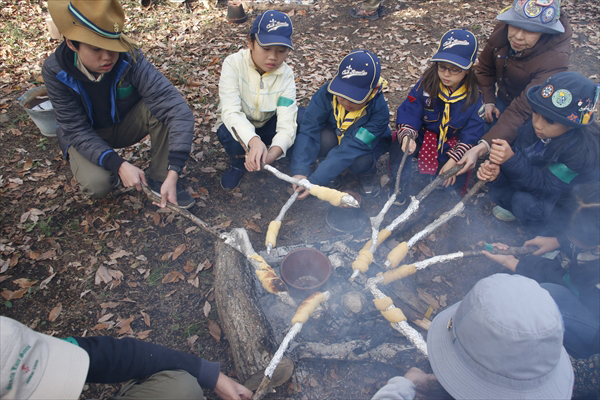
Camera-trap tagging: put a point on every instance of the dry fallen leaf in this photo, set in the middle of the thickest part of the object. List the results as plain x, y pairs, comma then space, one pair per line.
215, 330
424, 249
124, 324
10, 295
99, 327
180, 249
110, 304
189, 266
173, 276
253, 226
24, 283
106, 317
146, 318
46, 281
55, 312
143, 334
207, 308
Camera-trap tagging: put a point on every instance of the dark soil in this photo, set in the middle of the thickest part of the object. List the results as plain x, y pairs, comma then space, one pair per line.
69, 237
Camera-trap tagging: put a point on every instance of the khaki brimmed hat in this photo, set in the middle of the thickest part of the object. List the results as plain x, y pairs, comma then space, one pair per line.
502, 341
38, 366
98, 23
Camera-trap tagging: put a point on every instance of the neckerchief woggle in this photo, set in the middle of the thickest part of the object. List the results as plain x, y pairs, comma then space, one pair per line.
344, 119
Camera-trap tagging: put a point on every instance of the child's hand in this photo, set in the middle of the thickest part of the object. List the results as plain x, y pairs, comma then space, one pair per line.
411, 147
449, 164
273, 154
469, 159
545, 244
303, 193
488, 171
132, 176
257, 153
501, 151
490, 111
509, 262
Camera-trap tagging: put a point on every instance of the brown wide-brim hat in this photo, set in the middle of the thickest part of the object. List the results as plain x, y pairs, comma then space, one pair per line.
98, 23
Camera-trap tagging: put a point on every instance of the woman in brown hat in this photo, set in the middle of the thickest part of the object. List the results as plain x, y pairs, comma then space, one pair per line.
106, 95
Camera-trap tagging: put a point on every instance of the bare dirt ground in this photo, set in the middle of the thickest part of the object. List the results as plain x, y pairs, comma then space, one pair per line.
118, 266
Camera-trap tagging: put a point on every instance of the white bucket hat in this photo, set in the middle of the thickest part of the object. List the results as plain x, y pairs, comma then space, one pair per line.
502, 341
38, 366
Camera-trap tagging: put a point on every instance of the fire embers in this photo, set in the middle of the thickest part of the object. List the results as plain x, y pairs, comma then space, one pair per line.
353, 303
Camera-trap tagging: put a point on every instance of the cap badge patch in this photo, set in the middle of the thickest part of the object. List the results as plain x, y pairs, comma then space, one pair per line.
547, 91
573, 117
531, 9
548, 15
451, 42
519, 5
116, 28
562, 98
544, 3
273, 25
349, 72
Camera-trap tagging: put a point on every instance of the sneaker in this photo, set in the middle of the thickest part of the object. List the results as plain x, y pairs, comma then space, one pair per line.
359, 13
400, 197
503, 214
184, 198
369, 186
232, 177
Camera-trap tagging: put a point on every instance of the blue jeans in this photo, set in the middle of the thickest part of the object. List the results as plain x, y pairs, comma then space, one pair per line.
362, 165
500, 105
266, 133
581, 325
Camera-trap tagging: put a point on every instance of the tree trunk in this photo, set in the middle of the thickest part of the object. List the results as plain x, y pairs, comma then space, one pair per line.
243, 322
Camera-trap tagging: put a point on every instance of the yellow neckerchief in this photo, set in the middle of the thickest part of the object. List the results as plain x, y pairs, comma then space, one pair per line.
345, 119
448, 98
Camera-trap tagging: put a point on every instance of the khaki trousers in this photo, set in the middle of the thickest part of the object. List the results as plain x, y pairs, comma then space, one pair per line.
97, 182
370, 5
176, 384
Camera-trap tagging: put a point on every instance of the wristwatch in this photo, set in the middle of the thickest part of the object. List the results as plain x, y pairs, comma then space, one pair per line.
174, 168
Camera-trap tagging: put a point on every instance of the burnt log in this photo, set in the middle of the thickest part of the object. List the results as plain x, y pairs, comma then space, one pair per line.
242, 320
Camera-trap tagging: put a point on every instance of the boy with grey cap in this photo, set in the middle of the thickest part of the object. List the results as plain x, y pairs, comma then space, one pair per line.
502, 341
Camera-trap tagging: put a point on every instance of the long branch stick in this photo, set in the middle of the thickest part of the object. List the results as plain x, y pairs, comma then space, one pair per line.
294, 330
273, 231
334, 197
405, 270
394, 260
403, 327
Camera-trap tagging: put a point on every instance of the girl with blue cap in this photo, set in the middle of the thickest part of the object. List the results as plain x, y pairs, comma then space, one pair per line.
442, 113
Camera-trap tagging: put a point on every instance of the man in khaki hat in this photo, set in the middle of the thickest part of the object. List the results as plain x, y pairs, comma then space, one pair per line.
38, 366
106, 95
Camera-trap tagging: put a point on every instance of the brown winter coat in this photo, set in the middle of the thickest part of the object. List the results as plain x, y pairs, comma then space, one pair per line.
515, 74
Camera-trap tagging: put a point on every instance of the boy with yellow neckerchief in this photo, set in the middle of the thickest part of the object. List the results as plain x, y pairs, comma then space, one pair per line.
347, 123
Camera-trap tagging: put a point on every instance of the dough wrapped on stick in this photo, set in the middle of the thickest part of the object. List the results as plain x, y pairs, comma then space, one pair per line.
307, 307
398, 273
397, 254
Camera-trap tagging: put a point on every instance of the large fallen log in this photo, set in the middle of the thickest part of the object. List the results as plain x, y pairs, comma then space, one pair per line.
242, 320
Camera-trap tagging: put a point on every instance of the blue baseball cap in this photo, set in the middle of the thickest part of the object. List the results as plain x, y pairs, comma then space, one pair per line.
273, 28
567, 97
534, 16
457, 47
357, 76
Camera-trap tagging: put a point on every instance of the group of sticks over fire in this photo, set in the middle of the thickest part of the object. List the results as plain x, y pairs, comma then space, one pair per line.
238, 238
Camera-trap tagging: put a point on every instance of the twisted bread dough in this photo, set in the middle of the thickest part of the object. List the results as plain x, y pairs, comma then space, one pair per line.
334, 197
272, 233
397, 254
307, 307
394, 315
362, 262
383, 303
398, 273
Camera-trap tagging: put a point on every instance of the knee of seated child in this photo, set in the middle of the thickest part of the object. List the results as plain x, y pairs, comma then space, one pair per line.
527, 207
97, 186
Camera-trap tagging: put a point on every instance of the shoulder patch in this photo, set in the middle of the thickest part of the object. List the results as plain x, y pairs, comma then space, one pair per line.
365, 136
562, 172
123, 92
284, 102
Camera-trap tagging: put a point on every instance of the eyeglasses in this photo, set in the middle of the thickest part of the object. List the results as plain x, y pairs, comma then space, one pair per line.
452, 70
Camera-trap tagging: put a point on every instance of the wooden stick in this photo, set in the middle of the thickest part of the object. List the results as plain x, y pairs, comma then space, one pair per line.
334, 197
442, 219
294, 330
271, 237
403, 327
395, 274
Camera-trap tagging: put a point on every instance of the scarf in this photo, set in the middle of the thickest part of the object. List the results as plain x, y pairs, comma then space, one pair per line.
448, 98
344, 119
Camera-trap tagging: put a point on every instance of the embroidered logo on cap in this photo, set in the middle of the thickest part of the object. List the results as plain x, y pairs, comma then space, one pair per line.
451, 42
531, 9
562, 98
547, 15
349, 72
273, 25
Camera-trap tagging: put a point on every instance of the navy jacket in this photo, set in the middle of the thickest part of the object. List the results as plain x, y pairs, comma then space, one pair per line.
361, 138
131, 83
549, 170
422, 112
119, 360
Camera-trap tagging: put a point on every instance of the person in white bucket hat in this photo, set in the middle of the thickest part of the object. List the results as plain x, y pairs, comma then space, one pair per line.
502, 341
38, 366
